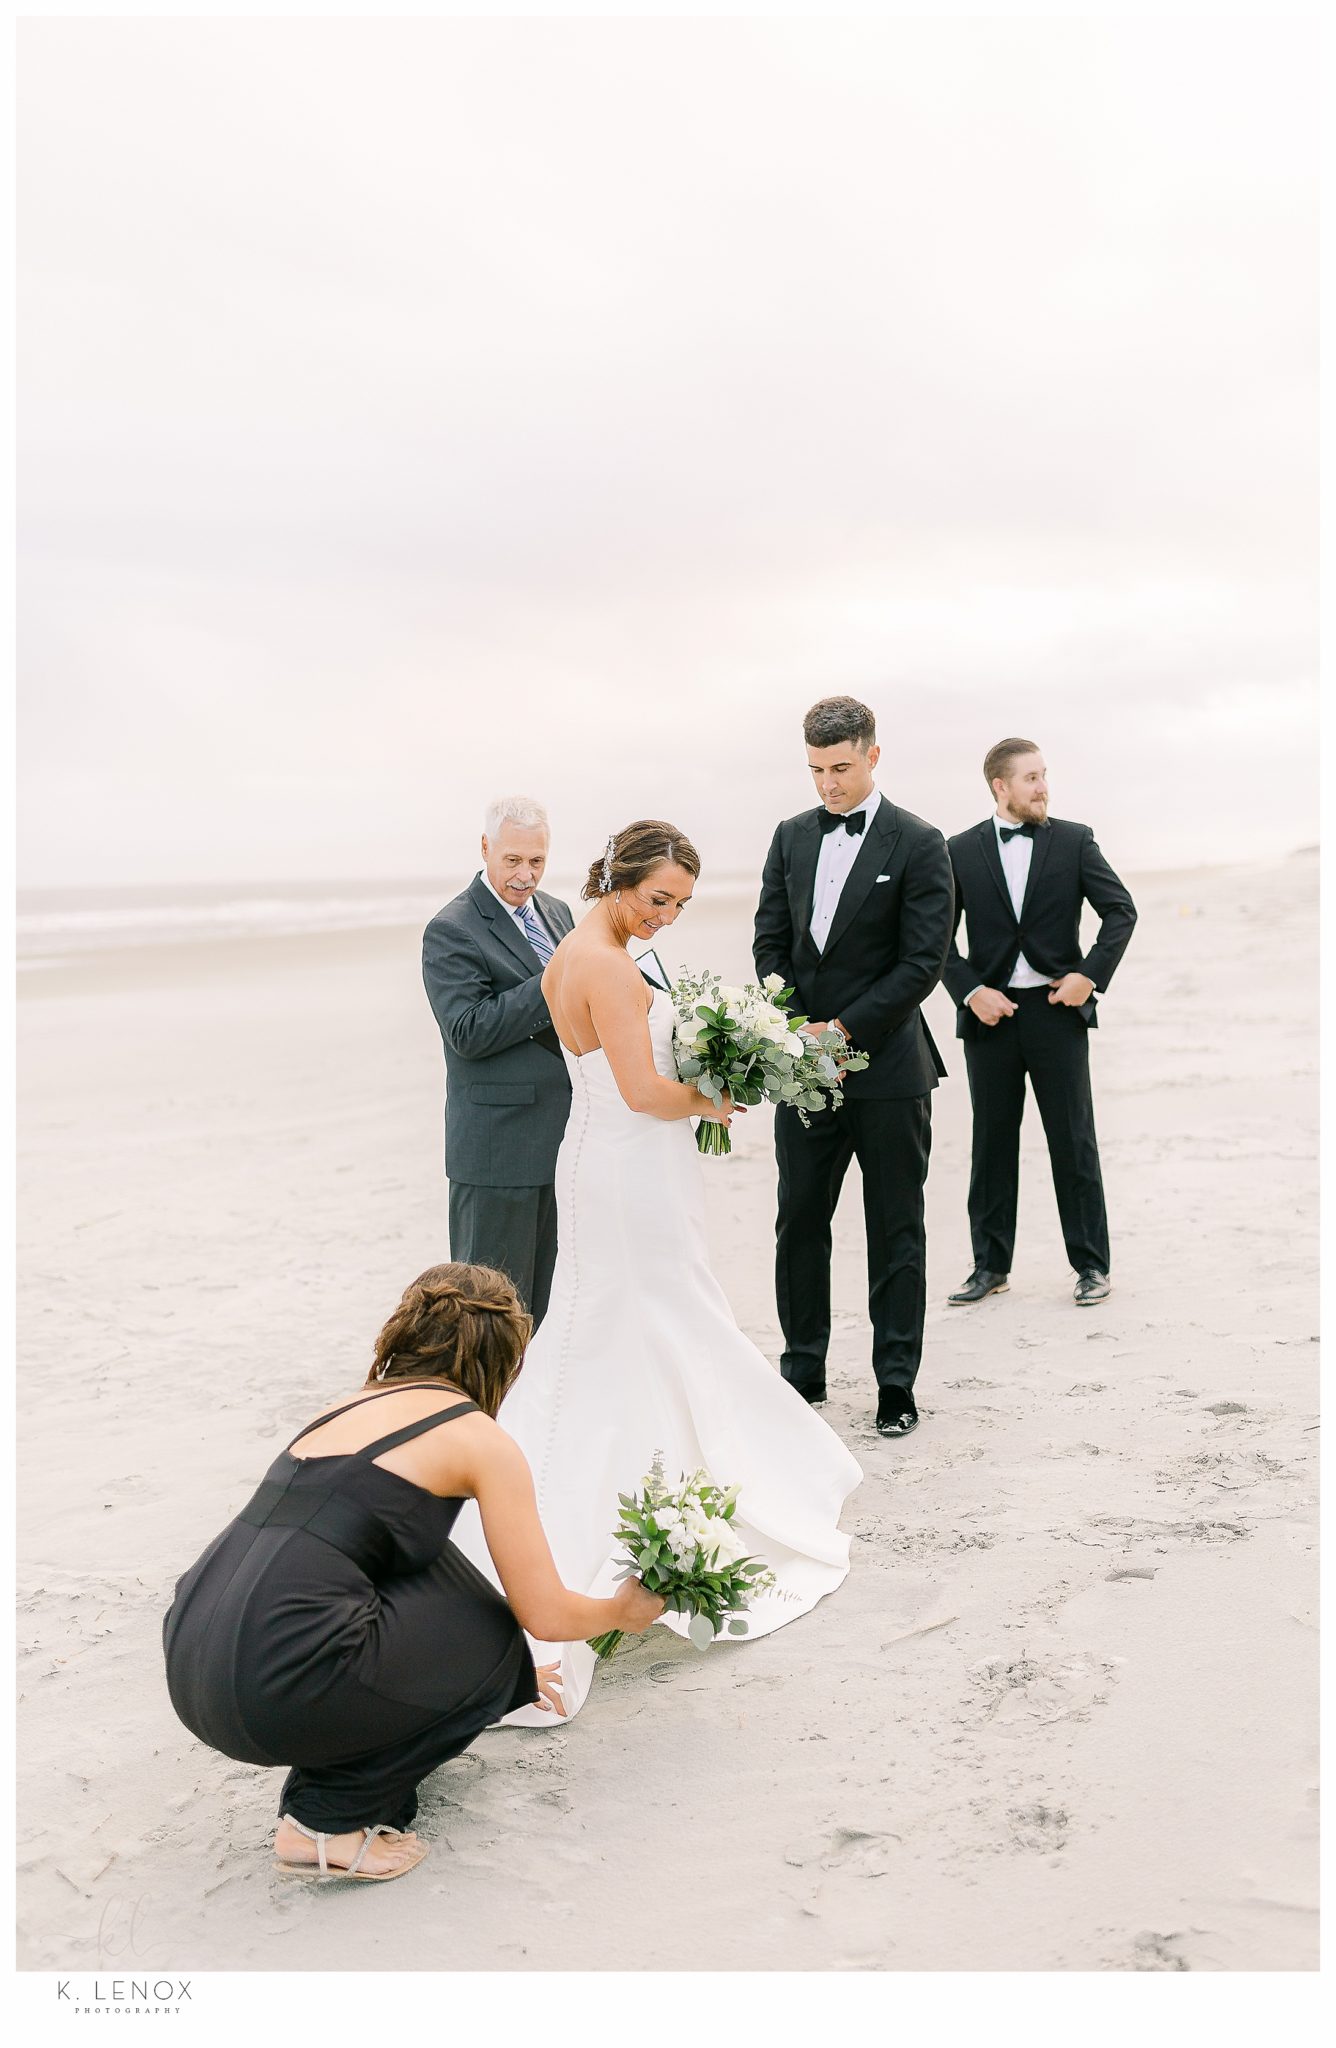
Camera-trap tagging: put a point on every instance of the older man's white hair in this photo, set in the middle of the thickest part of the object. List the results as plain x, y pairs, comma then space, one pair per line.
514, 810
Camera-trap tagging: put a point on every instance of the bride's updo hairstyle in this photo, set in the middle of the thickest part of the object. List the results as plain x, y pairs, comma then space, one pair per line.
633, 853
458, 1323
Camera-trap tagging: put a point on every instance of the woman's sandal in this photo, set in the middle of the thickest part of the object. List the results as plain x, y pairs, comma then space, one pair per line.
321, 1869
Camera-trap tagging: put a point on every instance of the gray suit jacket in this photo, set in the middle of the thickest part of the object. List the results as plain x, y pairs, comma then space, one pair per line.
507, 1093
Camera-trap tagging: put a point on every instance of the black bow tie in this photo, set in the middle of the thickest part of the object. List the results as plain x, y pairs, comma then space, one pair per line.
1006, 832
853, 824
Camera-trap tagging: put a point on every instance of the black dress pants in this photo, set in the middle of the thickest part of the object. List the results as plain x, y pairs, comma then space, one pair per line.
1049, 1044
891, 1141
513, 1229
336, 1798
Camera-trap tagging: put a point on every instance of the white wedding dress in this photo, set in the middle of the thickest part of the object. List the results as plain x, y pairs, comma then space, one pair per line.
639, 1353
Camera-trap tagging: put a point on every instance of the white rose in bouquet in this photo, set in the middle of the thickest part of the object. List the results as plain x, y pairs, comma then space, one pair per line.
721, 1541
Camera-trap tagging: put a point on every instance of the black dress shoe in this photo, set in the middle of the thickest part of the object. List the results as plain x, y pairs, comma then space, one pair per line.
896, 1413
980, 1284
814, 1396
1091, 1287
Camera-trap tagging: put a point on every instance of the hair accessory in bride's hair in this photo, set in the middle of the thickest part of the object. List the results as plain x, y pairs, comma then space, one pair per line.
605, 872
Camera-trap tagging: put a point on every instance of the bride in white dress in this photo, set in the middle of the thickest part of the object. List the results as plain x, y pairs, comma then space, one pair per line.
639, 1351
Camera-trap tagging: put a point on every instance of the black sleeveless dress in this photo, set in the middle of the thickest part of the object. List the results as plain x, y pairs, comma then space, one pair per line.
334, 1627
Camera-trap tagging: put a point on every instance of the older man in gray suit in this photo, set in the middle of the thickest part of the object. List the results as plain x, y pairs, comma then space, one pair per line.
507, 1094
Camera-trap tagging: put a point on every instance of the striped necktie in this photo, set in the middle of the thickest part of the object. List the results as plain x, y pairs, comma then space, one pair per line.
535, 933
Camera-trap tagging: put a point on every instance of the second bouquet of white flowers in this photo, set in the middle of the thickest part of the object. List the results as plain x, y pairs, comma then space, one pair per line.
742, 1041
680, 1540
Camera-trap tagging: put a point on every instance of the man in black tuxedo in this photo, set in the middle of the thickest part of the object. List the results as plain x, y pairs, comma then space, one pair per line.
507, 1092
855, 916
1026, 1002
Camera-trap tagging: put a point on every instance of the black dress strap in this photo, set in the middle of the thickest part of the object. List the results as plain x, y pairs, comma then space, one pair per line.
412, 1429
348, 1406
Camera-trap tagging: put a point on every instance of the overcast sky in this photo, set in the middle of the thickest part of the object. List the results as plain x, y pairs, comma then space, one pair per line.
414, 410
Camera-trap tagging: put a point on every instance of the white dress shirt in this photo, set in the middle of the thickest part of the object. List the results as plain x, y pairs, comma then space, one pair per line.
529, 904
839, 851
1017, 853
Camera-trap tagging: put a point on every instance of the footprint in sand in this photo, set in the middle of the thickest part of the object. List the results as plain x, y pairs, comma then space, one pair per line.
920, 1542
1028, 1691
853, 1850
1152, 1951
1121, 1532
1225, 1468
1039, 1828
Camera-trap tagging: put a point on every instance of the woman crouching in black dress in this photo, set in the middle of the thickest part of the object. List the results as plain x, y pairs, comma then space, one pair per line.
333, 1627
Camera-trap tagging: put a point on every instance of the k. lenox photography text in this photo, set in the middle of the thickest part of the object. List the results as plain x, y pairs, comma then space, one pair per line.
122, 1995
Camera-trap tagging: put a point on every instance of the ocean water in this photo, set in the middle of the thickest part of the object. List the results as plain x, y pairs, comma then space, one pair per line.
60, 924
55, 925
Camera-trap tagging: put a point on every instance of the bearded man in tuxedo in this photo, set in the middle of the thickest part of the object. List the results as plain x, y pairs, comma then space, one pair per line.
855, 915
1026, 1005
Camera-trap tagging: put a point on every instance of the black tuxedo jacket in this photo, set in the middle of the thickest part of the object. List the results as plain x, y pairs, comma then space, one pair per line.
884, 952
1066, 870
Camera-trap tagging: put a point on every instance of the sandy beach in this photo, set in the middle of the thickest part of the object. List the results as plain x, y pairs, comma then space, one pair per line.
1062, 1714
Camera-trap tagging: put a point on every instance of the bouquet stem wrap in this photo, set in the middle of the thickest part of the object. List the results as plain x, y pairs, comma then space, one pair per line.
713, 1139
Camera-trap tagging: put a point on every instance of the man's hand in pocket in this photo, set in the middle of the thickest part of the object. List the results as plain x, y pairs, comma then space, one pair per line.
1073, 990
990, 1006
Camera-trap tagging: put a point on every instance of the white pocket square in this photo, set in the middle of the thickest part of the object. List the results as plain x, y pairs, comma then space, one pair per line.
883, 878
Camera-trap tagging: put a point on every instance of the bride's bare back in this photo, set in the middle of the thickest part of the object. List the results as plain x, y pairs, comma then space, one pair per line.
588, 969
599, 1001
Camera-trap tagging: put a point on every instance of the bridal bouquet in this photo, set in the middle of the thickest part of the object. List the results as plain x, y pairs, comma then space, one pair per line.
743, 1041
681, 1542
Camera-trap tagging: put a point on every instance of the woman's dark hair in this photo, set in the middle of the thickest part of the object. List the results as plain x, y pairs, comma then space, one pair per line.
635, 852
458, 1323
837, 719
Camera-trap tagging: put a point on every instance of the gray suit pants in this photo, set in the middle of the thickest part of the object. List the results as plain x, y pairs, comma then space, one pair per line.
513, 1229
